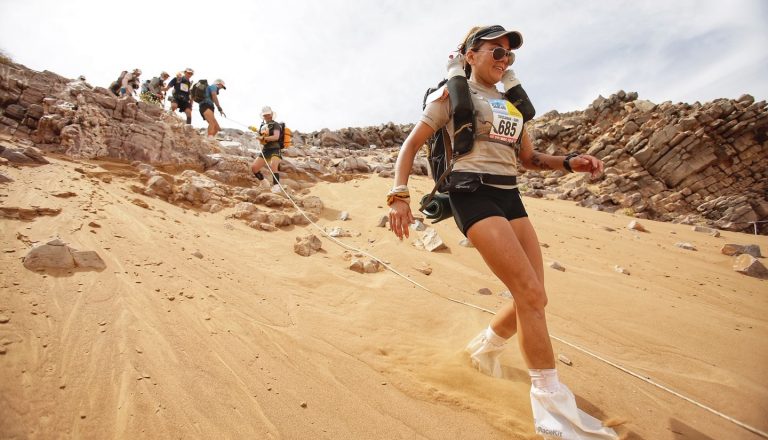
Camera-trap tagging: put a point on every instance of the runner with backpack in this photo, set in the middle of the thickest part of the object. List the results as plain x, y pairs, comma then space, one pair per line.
483, 137
155, 89
125, 83
207, 96
273, 139
181, 85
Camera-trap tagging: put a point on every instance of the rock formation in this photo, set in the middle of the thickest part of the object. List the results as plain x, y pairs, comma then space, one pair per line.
702, 164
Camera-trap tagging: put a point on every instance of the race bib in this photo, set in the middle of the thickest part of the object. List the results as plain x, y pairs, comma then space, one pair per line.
184, 87
507, 121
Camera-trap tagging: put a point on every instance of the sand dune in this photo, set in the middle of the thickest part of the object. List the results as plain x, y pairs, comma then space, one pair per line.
254, 341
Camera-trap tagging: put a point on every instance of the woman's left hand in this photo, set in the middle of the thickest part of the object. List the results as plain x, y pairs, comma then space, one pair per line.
584, 163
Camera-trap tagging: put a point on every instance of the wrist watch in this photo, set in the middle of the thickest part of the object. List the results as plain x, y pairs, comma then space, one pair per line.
567, 160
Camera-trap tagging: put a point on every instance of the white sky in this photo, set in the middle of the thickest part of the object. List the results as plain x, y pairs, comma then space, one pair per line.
344, 63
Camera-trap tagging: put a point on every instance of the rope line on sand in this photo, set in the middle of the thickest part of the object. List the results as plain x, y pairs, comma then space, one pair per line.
570, 344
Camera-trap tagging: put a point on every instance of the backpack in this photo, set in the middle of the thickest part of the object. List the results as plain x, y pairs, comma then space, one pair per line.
462, 112
115, 86
198, 90
286, 136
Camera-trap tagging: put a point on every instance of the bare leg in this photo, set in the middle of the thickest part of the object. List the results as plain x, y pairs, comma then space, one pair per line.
257, 164
497, 241
213, 126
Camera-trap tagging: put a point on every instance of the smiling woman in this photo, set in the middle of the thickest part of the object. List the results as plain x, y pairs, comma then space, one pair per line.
481, 182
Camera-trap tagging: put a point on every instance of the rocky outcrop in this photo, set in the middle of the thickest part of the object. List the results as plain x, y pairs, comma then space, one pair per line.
688, 163
702, 164
73, 118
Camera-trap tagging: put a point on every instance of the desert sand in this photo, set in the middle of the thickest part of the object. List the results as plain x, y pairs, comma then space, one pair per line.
254, 341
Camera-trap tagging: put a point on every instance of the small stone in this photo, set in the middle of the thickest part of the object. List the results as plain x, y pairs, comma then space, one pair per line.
685, 245
484, 291
197, 254
564, 359
383, 220
506, 294
557, 266
383, 383
4, 319
103, 323
749, 265
424, 268
418, 226
620, 269
344, 216
303, 404
467, 243
3, 350
635, 225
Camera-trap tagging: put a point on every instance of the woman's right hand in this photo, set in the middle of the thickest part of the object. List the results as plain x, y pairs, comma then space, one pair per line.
400, 218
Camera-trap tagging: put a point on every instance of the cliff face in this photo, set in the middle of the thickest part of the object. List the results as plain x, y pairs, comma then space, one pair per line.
71, 117
689, 163
673, 162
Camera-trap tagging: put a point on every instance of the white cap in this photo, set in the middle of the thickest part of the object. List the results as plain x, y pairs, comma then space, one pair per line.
266, 110
220, 82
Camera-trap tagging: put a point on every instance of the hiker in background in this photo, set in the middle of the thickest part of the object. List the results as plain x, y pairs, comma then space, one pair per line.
180, 100
270, 135
493, 217
155, 89
130, 83
207, 104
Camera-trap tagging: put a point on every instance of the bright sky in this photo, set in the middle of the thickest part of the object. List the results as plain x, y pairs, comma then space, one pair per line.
343, 63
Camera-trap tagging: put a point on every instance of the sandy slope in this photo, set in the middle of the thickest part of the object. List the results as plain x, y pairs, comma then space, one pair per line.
254, 330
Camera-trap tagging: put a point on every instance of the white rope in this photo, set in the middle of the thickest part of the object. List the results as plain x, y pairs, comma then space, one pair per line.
576, 347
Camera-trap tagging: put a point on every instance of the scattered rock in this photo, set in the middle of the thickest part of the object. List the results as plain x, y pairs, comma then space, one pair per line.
635, 225
383, 220
424, 268
564, 359
307, 245
732, 249
506, 294
417, 225
484, 291
557, 266
141, 203
749, 265
365, 266
64, 194
197, 254
344, 216
465, 242
684, 245
4, 319
430, 241
57, 255
706, 230
621, 270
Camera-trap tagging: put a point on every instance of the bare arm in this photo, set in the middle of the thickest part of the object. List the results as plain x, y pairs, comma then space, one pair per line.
534, 160
400, 215
273, 137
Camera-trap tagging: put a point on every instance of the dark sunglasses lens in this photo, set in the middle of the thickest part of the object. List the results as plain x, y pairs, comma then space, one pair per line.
499, 53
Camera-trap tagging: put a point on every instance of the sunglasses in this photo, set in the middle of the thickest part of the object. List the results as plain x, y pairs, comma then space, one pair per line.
498, 53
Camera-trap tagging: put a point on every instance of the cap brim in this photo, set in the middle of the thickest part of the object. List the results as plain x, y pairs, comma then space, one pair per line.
515, 38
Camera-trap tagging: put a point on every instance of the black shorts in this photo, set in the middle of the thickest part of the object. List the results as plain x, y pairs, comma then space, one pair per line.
271, 152
183, 104
205, 106
487, 201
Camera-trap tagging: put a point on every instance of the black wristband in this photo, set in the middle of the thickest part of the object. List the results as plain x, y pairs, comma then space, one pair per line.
566, 161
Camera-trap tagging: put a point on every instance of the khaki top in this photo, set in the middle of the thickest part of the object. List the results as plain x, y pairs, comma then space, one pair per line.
486, 156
